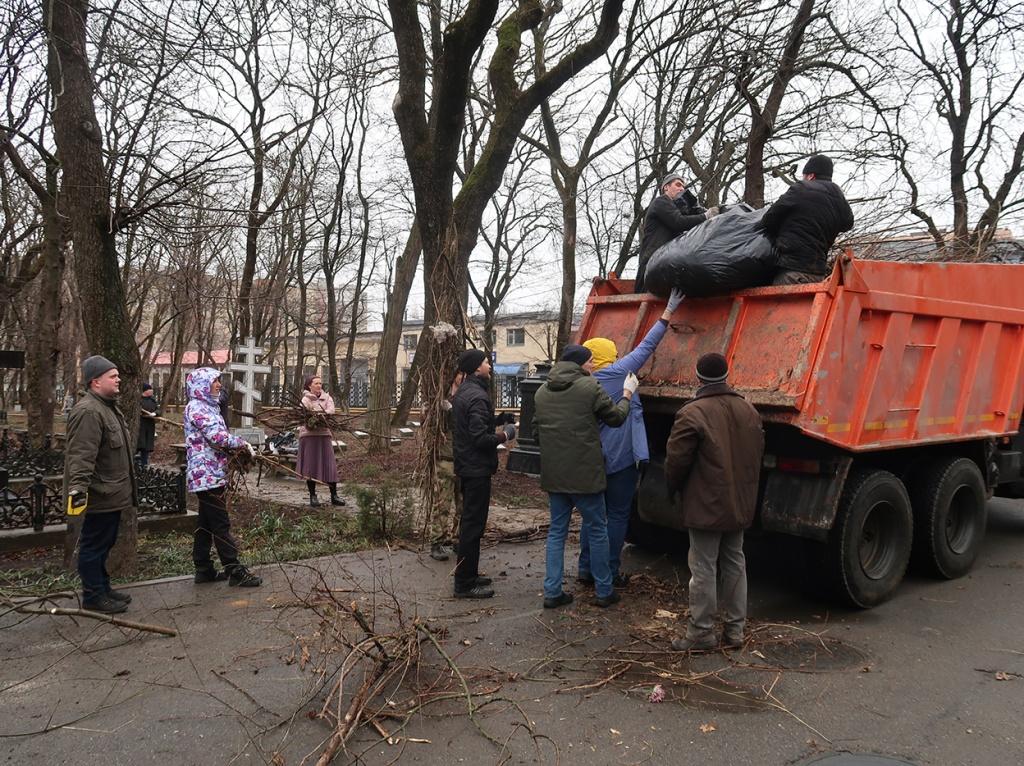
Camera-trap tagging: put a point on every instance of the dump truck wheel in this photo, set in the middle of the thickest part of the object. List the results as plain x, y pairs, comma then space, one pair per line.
869, 546
948, 498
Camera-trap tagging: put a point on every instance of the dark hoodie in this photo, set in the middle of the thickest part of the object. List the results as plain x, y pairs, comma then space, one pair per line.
568, 410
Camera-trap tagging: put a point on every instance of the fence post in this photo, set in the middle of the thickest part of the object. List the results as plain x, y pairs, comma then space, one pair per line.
182, 496
38, 503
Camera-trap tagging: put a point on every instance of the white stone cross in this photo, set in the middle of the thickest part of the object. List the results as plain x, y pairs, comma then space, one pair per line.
248, 352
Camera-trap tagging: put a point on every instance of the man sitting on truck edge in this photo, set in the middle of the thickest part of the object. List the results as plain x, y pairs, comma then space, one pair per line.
567, 409
626, 446
672, 212
804, 222
713, 465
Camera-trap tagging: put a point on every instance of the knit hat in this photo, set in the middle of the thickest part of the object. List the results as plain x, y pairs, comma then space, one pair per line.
146, 387
94, 366
575, 353
669, 179
470, 360
712, 368
604, 351
820, 165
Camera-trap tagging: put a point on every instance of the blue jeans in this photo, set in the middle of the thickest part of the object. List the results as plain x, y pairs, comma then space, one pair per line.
595, 527
618, 502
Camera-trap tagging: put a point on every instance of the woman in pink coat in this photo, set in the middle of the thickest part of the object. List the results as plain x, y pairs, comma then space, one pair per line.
316, 445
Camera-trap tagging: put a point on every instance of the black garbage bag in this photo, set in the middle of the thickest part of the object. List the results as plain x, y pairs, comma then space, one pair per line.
727, 253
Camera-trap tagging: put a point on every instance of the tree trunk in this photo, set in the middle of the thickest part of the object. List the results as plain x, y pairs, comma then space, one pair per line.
43, 348
383, 385
171, 392
567, 302
86, 200
331, 373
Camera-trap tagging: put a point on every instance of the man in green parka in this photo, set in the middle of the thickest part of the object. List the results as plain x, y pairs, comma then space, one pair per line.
569, 408
99, 480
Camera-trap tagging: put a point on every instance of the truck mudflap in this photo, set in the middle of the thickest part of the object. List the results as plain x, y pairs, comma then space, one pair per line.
802, 497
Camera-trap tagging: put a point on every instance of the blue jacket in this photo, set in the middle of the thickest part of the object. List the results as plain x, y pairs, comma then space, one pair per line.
627, 445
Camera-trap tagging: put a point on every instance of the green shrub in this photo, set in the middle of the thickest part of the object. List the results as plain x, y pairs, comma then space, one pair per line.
385, 511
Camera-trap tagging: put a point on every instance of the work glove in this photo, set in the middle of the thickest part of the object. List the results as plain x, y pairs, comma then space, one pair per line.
711, 212
674, 299
631, 384
510, 432
77, 502
251, 449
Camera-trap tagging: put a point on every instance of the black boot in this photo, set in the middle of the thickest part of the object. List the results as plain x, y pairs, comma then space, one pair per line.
335, 500
313, 502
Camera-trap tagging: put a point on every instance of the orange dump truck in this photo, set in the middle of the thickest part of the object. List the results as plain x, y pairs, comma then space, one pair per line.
891, 395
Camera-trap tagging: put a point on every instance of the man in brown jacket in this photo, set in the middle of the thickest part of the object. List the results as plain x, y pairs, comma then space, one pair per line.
713, 465
98, 480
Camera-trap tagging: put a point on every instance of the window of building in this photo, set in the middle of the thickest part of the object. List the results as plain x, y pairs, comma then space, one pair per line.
515, 336
409, 341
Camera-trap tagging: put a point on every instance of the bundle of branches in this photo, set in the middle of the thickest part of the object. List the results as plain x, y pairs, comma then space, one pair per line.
372, 670
291, 415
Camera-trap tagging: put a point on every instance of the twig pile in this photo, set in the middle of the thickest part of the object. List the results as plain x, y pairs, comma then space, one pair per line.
378, 667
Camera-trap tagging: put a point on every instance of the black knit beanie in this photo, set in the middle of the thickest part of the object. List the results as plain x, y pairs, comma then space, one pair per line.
576, 353
820, 165
470, 360
712, 368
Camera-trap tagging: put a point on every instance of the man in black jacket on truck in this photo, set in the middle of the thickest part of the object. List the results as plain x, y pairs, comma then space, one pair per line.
804, 222
475, 452
672, 212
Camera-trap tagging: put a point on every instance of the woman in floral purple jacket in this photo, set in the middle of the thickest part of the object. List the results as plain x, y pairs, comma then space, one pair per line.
208, 445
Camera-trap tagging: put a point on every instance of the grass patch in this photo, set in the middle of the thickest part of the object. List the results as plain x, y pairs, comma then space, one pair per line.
270, 536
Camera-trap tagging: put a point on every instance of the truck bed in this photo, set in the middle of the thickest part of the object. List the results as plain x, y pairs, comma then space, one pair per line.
879, 355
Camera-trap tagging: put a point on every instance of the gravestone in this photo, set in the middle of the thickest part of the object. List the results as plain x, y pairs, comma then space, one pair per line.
244, 360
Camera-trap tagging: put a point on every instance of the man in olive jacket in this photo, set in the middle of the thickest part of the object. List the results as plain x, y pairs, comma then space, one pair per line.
475, 453
568, 409
714, 464
98, 480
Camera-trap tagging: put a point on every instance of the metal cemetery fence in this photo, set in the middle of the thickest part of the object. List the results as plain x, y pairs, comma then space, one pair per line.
32, 493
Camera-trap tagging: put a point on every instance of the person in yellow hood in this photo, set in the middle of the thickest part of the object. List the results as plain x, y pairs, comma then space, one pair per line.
624, 447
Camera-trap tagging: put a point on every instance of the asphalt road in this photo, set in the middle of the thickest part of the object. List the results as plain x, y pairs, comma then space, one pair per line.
934, 676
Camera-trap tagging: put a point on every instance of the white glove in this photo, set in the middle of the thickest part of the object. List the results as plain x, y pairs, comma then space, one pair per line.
252, 449
631, 384
674, 299
711, 212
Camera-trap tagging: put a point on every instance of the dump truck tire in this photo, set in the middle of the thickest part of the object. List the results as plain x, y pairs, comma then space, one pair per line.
869, 546
950, 514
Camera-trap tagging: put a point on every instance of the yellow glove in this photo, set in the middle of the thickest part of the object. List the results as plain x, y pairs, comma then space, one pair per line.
77, 502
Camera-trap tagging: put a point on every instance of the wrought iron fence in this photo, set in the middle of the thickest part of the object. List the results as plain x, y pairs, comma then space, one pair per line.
23, 461
36, 500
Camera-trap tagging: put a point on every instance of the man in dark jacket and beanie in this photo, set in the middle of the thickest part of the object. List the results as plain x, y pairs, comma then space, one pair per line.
148, 413
713, 465
568, 410
475, 453
98, 480
674, 211
804, 222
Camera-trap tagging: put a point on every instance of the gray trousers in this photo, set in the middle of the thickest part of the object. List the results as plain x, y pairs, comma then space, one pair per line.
718, 577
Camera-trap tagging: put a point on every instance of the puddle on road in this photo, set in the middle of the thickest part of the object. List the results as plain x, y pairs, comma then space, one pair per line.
812, 653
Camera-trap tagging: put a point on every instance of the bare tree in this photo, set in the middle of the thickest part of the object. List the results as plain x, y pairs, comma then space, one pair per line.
431, 136
953, 65
85, 193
